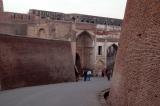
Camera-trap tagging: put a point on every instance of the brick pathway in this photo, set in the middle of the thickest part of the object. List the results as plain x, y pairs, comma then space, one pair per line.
64, 94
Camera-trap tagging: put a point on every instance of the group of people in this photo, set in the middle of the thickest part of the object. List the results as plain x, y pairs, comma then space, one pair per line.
105, 72
87, 74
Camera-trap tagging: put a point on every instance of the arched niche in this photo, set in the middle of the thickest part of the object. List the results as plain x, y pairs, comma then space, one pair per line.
41, 32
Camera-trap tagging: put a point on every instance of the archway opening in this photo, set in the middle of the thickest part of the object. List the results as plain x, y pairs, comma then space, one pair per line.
100, 66
111, 57
85, 49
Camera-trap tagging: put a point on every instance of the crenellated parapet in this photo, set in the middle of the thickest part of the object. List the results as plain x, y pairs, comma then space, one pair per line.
80, 18
16, 17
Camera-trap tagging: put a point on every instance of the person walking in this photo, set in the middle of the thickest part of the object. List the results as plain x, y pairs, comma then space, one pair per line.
103, 72
85, 74
89, 73
108, 73
76, 73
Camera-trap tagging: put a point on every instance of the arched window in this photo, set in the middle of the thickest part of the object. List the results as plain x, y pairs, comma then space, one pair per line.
41, 32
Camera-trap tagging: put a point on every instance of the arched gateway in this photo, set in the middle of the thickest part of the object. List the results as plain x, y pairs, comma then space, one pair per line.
85, 49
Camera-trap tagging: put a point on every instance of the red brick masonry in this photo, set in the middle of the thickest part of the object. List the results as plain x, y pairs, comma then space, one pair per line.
136, 79
29, 62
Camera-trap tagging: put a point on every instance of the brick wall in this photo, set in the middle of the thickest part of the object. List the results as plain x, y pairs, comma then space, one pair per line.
13, 29
29, 62
136, 79
85, 26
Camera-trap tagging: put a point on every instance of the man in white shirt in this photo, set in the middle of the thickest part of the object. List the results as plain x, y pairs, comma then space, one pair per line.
89, 73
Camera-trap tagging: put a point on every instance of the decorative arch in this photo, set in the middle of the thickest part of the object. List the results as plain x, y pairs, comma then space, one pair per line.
85, 48
85, 39
84, 31
113, 43
112, 50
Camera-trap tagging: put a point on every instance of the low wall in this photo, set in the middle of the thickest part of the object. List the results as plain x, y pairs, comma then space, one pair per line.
30, 61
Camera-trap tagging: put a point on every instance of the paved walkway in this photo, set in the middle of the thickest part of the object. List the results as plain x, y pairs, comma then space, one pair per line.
64, 94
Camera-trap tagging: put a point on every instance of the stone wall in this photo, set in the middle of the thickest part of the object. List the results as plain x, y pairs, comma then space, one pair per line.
53, 30
29, 62
136, 81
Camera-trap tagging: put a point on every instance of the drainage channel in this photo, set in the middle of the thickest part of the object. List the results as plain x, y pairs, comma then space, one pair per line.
103, 95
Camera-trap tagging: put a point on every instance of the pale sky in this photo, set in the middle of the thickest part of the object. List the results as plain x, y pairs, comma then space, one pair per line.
105, 8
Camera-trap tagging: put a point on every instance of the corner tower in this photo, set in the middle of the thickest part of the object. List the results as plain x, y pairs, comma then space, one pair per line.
1, 5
